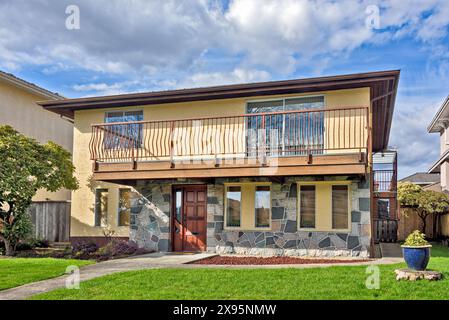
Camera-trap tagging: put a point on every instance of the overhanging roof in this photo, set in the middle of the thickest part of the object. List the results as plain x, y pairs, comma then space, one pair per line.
441, 119
435, 168
28, 86
383, 86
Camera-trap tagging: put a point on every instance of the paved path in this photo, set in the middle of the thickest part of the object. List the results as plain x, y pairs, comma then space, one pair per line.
391, 250
152, 261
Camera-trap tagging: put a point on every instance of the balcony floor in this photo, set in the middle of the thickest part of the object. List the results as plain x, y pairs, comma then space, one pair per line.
354, 163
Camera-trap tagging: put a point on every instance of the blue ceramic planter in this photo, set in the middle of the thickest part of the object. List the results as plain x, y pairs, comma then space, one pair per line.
416, 258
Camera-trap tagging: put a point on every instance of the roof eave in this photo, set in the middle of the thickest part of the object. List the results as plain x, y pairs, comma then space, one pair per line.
434, 126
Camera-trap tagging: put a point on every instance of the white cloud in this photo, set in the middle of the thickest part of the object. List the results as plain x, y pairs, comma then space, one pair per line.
164, 36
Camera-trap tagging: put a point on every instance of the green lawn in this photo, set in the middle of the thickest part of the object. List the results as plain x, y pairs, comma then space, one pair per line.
18, 271
339, 282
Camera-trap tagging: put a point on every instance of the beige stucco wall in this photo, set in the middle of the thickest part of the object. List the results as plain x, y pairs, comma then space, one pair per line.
18, 109
82, 223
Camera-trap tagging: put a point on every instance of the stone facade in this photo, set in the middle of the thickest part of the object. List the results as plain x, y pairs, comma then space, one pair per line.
150, 221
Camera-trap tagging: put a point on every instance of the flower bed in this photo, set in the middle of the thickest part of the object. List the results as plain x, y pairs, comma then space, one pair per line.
232, 260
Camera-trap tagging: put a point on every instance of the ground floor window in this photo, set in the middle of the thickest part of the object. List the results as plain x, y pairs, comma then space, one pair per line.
324, 206
248, 206
233, 206
101, 207
340, 207
307, 206
124, 207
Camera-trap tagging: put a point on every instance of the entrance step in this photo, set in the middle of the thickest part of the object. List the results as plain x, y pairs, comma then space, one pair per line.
390, 250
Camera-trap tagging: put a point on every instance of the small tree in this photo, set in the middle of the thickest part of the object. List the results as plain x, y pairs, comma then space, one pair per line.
25, 167
423, 202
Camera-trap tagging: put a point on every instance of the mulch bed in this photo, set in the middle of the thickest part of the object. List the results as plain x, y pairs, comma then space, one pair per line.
228, 260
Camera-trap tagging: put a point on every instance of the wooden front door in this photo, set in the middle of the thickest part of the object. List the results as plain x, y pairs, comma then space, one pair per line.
189, 218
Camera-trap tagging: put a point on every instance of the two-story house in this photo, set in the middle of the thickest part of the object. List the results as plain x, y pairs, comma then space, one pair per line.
440, 124
270, 168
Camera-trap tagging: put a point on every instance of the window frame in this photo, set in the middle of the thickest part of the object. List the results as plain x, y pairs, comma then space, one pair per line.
118, 208
318, 228
252, 196
254, 209
139, 141
225, 203
349, 206
96, 200
299, 207
283, 99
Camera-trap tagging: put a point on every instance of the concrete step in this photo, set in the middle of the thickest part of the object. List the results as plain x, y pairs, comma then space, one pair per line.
390, 250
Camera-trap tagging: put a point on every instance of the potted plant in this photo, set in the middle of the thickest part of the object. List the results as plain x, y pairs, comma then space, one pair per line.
416, 251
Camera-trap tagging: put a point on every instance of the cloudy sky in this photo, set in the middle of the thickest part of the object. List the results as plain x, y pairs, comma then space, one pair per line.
142, 45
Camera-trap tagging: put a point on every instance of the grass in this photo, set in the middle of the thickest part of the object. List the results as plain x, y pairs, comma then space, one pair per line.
340, 282
18, 271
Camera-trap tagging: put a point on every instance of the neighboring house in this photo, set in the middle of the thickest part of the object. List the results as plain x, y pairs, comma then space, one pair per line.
429, 181
440, 124
265, 168
18, 108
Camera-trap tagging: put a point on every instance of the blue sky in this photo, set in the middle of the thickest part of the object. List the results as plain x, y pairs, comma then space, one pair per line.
135, 46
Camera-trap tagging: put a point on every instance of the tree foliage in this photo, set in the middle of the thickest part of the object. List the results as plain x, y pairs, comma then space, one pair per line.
26, 166
423, 202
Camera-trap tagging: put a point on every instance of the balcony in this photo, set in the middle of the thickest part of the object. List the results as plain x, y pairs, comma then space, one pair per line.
305, 142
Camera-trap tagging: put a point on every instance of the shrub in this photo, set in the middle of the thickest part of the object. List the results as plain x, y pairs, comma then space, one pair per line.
118, 248
416, 239
32, 243
84, 249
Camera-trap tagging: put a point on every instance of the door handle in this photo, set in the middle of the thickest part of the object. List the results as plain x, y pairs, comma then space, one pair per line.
195, 233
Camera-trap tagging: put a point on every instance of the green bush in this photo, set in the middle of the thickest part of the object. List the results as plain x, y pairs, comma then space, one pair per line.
416, 239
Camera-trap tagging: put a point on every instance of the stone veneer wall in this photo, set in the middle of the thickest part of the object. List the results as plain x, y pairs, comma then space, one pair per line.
150, 221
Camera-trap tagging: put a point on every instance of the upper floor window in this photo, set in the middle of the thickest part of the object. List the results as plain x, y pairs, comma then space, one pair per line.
123, 136
287, 132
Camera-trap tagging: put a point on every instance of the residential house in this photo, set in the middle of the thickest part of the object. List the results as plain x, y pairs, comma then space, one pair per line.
18, 108
270, 168
440, 124
429, 181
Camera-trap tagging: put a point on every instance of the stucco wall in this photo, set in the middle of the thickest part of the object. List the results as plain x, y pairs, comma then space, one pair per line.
83, 199
18, 109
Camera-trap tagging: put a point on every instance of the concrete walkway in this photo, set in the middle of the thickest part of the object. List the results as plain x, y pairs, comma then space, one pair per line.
154, 261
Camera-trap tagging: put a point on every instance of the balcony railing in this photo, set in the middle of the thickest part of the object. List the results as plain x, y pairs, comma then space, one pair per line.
385, 181
291, 133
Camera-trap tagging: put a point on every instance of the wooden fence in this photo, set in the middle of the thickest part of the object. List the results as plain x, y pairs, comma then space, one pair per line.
51, 220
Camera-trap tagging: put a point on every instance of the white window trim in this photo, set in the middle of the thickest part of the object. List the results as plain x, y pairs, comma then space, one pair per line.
130, 110
285, 98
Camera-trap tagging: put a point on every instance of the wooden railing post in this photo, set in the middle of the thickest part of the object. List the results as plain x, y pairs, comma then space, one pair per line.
172, 144
264, 142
